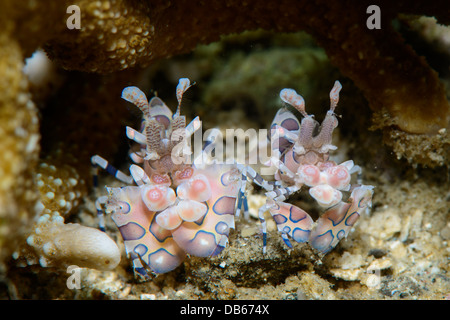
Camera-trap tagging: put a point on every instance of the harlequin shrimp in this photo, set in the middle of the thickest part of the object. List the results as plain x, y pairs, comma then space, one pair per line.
300, 152
171, 206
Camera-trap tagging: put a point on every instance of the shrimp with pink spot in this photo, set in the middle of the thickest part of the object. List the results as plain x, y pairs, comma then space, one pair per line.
178, 206
301, 152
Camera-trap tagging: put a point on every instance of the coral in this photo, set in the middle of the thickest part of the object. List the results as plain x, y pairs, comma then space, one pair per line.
120, 36
51, 242
60, 188
434, 37
390, 74
45, 78
59, 181
63, 176
20, 148
56, 244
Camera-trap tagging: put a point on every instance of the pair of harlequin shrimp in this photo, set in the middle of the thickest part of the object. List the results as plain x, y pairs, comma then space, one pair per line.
171, 207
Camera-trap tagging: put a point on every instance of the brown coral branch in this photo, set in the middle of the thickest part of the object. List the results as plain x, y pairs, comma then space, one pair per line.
118, 34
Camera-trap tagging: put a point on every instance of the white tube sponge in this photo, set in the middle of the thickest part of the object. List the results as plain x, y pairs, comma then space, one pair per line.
57, 244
